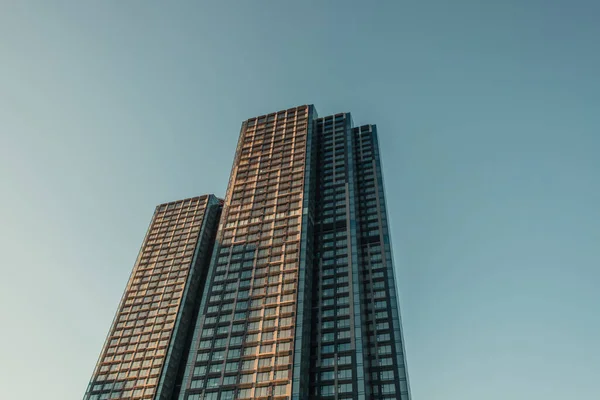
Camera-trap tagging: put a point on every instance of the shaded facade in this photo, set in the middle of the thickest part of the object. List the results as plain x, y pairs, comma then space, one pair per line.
150, 333
357, 349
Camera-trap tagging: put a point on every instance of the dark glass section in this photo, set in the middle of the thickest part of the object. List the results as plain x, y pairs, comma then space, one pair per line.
386, 366
301, 366
172, 375
337, 350
356, 343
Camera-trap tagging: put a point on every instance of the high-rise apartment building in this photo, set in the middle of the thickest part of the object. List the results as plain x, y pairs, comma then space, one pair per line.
150, 333
300, 299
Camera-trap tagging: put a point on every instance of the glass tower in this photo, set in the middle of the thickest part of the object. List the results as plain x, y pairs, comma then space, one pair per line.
290, 295
301, 300
357, 348
150, 333
253, 330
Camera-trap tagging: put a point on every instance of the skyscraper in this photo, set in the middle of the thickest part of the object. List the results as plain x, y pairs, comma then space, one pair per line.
150, 332
300, 297
301, 301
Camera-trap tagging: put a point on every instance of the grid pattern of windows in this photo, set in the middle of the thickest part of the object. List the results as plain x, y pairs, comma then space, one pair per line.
136, 350
243, 344
333, 356
300, 301
386, 367
356, 345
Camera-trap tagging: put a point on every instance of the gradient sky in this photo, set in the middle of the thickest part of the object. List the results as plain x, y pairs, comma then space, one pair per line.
489, 119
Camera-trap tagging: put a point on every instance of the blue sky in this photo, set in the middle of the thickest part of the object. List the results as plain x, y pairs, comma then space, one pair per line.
489, 120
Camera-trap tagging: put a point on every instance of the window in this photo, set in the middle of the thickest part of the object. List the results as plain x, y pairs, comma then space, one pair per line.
344, 360
216, 368
386, 375
231, 366
344, 347
252, 338
200, 370
343, 334
212, 382
266, 348
388, 389
383, 337
282, 360
250, 350
265, 362
196, 384
281, 374
327, 349
223, 330
344, 374
233, 353
328, 324
327, 390
385, 361
263, 377
327, 337
345, 388
284, 346
208, 332
218, 355
280, 390
327, 361
327, 375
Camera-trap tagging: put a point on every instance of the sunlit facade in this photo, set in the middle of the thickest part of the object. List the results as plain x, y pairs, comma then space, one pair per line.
249, 333
150, 333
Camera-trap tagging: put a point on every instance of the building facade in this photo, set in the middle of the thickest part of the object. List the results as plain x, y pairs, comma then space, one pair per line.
150, 333
300, 297
249, 336
357, 348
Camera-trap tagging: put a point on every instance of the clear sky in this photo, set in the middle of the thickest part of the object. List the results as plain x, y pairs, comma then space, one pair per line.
489, 119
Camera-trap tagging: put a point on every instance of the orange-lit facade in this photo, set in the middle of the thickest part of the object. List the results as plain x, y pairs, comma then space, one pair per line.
148, 338
258, 276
